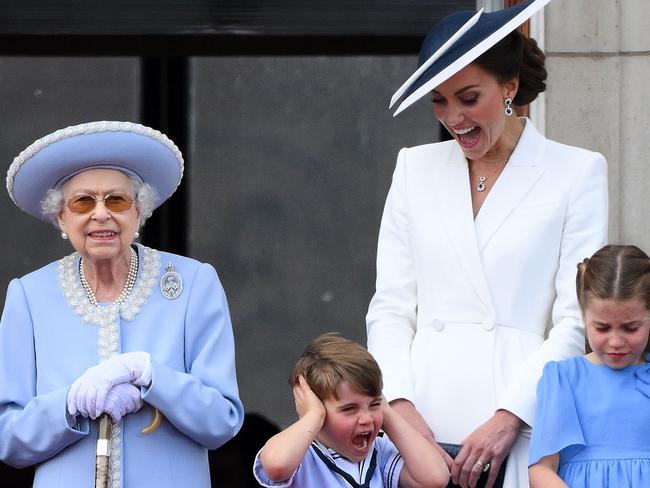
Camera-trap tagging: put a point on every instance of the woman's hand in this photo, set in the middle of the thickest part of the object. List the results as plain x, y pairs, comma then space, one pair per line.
306, 400
87, 395
490, 443
122, 399
407, 410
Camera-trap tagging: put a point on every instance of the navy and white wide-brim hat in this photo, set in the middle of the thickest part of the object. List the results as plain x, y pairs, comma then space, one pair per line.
455, 42
126, 146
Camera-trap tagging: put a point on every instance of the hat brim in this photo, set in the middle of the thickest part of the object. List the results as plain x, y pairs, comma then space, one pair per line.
484, 33
126, 146
434, 57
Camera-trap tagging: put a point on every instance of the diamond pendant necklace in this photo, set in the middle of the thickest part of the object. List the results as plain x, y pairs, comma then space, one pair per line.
483, 179
128, 286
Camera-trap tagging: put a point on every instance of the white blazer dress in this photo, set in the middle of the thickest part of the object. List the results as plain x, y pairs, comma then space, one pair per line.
467, 311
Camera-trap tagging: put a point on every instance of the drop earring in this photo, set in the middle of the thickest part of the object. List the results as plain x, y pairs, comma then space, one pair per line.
136, 234
508, 110
64, 236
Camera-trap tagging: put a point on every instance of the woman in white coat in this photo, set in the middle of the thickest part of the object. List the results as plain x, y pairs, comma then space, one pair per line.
478, 248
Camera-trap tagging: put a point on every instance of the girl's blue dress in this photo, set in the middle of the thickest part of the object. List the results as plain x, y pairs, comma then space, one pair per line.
598, 419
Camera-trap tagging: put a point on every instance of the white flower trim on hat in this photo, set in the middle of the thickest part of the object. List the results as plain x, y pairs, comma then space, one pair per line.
90, 128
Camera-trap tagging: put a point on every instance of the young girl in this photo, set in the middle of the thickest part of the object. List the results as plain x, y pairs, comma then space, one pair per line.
592, 424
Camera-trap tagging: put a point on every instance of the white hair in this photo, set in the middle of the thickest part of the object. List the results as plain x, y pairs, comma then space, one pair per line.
145, 197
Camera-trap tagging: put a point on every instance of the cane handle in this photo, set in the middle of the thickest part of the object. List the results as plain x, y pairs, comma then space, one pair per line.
155, 422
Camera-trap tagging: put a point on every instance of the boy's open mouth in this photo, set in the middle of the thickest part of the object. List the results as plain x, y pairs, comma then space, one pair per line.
360, 441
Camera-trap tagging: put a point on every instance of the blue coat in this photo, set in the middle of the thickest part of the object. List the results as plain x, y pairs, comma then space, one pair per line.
45, 346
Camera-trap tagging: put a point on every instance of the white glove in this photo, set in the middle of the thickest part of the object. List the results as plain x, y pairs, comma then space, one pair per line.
122, 399
87, 395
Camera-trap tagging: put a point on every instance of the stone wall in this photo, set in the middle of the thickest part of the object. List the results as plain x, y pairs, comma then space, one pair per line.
599, 62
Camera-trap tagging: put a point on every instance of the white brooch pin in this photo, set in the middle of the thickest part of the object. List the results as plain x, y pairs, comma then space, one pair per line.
171, 283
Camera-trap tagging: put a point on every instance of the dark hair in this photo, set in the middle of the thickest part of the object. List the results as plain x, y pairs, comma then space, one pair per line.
330, 359
614, 272
517, 55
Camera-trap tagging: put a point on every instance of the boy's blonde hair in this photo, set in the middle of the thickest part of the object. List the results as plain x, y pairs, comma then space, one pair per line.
330, 359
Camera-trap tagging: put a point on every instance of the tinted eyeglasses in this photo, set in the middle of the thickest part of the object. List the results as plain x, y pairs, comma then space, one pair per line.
114, 202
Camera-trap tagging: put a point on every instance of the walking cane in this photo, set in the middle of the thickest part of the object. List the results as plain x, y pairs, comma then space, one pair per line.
104, 430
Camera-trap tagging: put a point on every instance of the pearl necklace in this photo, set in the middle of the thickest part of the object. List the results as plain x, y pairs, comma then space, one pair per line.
128, 286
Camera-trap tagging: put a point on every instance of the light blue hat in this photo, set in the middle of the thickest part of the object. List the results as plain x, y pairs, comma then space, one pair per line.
132, 148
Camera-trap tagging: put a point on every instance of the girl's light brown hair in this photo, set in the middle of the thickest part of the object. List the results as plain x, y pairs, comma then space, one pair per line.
618, 272
330, 359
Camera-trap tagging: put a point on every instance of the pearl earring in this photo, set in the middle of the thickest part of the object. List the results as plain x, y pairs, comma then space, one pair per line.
136, 234
508, 110
64, 236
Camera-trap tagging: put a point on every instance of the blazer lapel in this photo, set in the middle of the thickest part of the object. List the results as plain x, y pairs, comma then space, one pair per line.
518, 177
453, 194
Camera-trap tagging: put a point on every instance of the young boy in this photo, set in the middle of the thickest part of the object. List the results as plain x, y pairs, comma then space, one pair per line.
337, 389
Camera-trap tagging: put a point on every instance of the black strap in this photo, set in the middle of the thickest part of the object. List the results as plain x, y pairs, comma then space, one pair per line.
330, 464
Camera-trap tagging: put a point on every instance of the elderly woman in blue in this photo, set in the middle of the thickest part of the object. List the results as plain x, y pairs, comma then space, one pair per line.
114, 328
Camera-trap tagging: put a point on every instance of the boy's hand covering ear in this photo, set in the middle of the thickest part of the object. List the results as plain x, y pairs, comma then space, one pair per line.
305, 399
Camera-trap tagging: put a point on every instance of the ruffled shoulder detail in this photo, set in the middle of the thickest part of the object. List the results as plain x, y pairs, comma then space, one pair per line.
557, 423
